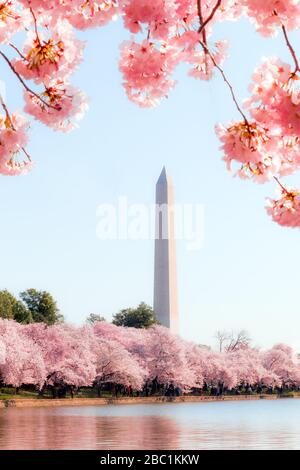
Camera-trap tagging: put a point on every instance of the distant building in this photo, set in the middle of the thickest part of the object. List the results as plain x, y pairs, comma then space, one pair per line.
165, 272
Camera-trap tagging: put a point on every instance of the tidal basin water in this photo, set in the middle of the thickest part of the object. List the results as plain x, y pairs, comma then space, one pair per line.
226, 425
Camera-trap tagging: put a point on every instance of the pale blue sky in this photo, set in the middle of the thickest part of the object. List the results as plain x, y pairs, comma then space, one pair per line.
246, 274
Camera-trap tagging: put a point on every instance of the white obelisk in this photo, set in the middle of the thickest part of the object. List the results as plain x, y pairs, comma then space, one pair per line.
165, 273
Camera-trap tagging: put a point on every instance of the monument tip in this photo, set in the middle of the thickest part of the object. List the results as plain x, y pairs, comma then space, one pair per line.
163, 176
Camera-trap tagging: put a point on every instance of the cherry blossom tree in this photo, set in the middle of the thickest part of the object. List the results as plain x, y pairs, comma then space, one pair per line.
64, 357
2, 352
110, 331
134, 340
280, 361
121, 357
67, 352
41, 49
21, 360
195, 357
248, 367
167, 359
217, 371
115, 365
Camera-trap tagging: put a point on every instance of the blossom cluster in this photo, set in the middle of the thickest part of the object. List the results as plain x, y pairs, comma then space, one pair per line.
269, 15
263, 144
13, 139
266, 145
64, 355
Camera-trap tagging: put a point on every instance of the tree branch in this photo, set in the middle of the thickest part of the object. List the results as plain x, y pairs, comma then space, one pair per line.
226, 81
6, 112
35, 25
24, 84
201, 29
281, 185
203, 43
289, 45
209, 18
17, 50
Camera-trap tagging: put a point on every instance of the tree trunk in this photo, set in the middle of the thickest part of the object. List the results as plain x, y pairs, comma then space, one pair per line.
42, 390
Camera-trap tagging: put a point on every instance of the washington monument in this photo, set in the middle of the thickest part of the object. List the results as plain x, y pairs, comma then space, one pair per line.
165, 275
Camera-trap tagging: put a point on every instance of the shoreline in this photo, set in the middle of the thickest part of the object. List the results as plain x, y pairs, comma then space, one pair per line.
48, 403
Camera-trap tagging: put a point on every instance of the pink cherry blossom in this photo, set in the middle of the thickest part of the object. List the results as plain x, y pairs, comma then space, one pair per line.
49, 10
268, 15
13, 140
158, 15
147, 71
61, 107
13, 18
91, 13
187, 11
41, 4
252, 146
275, 96
285, 210
44, 59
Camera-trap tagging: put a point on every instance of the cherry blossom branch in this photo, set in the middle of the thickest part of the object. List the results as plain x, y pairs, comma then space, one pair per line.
13, 17
27, 154
6, 112
24, 84
281, 185
35, 24
209, 18
201, 29
292, 51
226, 81
17, 50
8, 117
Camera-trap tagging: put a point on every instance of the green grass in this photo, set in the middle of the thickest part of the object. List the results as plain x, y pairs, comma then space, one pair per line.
11, 395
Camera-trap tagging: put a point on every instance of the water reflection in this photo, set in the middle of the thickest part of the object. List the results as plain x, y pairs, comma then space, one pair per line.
37, 429
248, 425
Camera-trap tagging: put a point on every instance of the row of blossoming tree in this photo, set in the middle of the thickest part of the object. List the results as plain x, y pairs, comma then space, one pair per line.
263, 144
103, 354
